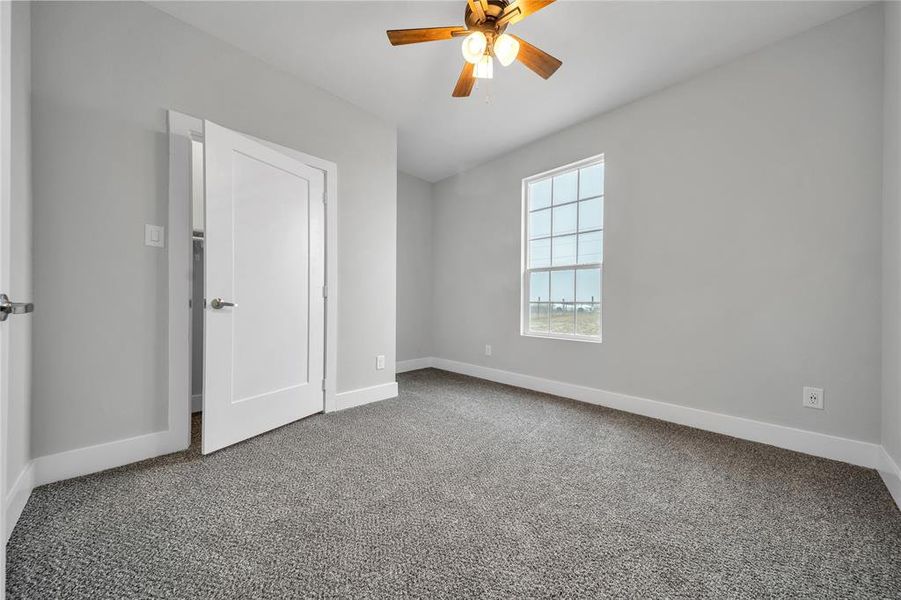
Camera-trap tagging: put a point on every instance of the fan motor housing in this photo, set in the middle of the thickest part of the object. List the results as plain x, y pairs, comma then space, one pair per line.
495, 8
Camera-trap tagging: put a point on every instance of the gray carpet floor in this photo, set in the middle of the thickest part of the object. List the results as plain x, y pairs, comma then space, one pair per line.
461, 488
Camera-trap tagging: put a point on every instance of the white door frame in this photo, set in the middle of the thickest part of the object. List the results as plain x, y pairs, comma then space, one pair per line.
182, 130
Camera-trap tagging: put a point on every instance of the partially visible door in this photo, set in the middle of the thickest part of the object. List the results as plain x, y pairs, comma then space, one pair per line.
264, 267
5, 193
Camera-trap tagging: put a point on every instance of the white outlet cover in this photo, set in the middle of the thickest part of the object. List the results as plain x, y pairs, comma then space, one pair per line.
487, 349
380, 361
813, 398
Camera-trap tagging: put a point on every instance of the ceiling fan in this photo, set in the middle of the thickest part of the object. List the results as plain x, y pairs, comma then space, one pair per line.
483, 37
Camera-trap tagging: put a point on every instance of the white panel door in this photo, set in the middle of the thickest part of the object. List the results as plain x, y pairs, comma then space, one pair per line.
264, 264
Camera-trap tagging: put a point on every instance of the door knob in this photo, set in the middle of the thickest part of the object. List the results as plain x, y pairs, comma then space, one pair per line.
13, 308
219, 303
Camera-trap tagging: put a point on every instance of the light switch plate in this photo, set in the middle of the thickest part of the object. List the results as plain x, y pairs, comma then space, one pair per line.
155, 235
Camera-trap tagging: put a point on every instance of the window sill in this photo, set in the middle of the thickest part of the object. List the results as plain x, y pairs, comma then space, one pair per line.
567, 338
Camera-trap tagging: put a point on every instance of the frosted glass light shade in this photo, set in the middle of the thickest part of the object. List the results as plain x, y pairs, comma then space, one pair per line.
505, 49
484, 68
474, 46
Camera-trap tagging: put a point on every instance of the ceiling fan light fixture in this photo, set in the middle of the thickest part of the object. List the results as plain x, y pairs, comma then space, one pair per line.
484, 68
506, 47
483, 37
474, 46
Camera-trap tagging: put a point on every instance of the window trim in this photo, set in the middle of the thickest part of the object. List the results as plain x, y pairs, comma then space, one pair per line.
524, 252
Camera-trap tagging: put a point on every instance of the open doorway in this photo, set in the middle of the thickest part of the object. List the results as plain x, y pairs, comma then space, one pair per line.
197, 302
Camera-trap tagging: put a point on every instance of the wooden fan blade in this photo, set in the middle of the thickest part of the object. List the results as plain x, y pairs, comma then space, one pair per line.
399, 37
478, 10
518, 10
536, 59
466, 81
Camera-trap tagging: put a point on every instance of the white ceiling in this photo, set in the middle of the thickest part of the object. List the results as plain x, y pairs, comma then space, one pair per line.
612, 53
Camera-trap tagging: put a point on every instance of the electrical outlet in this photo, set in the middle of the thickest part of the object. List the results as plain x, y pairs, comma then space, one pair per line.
813, 398
380, 362
487, 349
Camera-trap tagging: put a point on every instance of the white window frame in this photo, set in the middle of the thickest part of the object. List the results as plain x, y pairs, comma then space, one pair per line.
525, 271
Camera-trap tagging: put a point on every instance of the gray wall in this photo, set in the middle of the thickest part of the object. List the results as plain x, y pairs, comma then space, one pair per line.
742, 240
891, 223
103, 76
18, 417
414, 267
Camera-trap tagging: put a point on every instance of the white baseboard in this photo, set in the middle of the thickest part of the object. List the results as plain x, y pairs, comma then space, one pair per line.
17, 498
856, 452
365, 395
196, 403
891, 475
84, 461
413, 364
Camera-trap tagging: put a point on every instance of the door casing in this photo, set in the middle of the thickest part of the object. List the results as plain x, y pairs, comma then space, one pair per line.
182, 130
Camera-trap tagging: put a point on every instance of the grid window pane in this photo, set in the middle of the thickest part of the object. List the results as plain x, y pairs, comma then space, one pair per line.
539, 286
564, 252
588, 319
539, 194
591, 214
588, 285
540, 253
591, 247
564, 219
591, 181
540, 223
562, 286
564, 233
538, 317
562, 318
565, 187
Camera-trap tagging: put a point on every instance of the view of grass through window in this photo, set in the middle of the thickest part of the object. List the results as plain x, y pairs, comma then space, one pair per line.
564, 252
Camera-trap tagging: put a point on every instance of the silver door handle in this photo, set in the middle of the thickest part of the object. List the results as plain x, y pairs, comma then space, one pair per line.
13, 308
219, 303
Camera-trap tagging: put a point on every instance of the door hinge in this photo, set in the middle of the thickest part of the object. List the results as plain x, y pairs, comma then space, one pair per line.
325, 291
325, 197
323, 385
